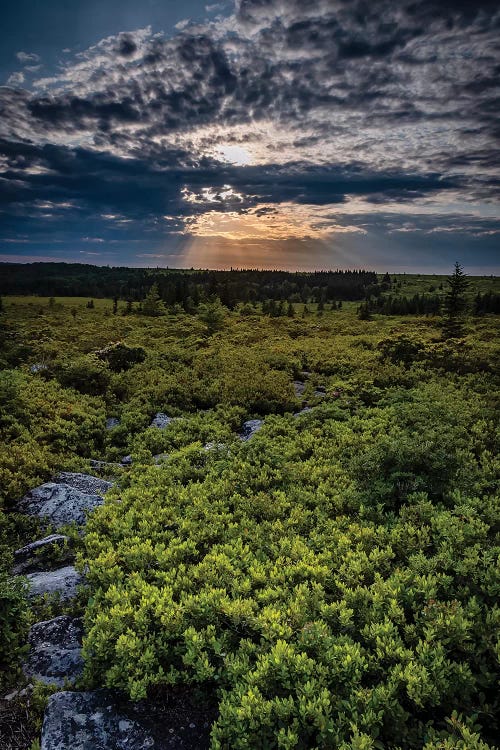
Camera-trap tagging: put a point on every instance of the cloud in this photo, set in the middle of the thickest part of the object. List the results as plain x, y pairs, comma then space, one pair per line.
312, 114
27, 57
16, 79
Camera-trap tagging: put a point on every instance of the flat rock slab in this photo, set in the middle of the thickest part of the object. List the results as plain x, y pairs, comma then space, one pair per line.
60, 503
84, 482
100, 720
27, 557
250, 428
55, 655
63, 581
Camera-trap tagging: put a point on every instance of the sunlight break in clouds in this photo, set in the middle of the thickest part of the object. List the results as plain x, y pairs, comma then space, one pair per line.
272, 122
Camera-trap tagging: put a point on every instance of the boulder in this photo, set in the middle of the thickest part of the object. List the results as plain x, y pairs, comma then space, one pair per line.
27, 558
63, 581
112, 422
59, 503
299, 387
55, 655
159, 458
102, 720
161, 421
127, 460
302, 411
250, 428
84, 482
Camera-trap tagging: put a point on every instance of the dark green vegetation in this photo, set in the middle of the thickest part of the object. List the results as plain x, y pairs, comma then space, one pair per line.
335, 579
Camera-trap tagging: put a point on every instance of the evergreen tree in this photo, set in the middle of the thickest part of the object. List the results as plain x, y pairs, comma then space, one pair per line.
291, 310
455, 304
115, 305
153, 304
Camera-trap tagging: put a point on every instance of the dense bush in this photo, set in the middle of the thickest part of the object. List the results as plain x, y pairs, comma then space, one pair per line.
334, 581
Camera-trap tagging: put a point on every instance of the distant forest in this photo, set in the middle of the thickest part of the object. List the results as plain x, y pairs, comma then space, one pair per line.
178, 286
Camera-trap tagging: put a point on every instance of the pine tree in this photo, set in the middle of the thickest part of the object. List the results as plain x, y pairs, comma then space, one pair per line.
455, 304
153, 304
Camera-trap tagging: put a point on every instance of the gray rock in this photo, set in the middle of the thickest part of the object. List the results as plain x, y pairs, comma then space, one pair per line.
250, 428
112, 422
84, 482
55, 655
63, 581
213, 446
320, 391
102, 720
127, 460
159, 458
60, 503
161, 421
38, 367
26, 557
96, 463
302, 411
299, 387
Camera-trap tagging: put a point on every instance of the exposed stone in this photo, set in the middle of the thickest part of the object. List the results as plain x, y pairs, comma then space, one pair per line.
214, 446
250, 428
63, 581
303, 411
96, 463
161, 420
159, 458
84, 482
299, 387
55, 655
112, 422
127, 460
38, 367
60, 503
27, 558
102, 720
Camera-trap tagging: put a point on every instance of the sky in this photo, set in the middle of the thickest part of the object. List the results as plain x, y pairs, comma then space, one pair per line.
293, 134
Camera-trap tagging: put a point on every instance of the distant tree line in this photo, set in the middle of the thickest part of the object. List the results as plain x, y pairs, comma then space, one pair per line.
419, 304
487, 303
187, 288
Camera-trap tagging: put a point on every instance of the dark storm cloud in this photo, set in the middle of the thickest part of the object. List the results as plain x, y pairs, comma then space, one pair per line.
381, 101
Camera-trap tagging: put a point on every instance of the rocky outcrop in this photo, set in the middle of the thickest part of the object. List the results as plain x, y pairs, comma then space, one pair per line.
299, 387
29, 557
63, 582
250, 428
161, 420
84, 482
65, 501
100, 720
55, 655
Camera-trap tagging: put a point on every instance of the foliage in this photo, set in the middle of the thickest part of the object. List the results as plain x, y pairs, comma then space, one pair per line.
455, 304
335, 578
14, 623
153, 304
121, 357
